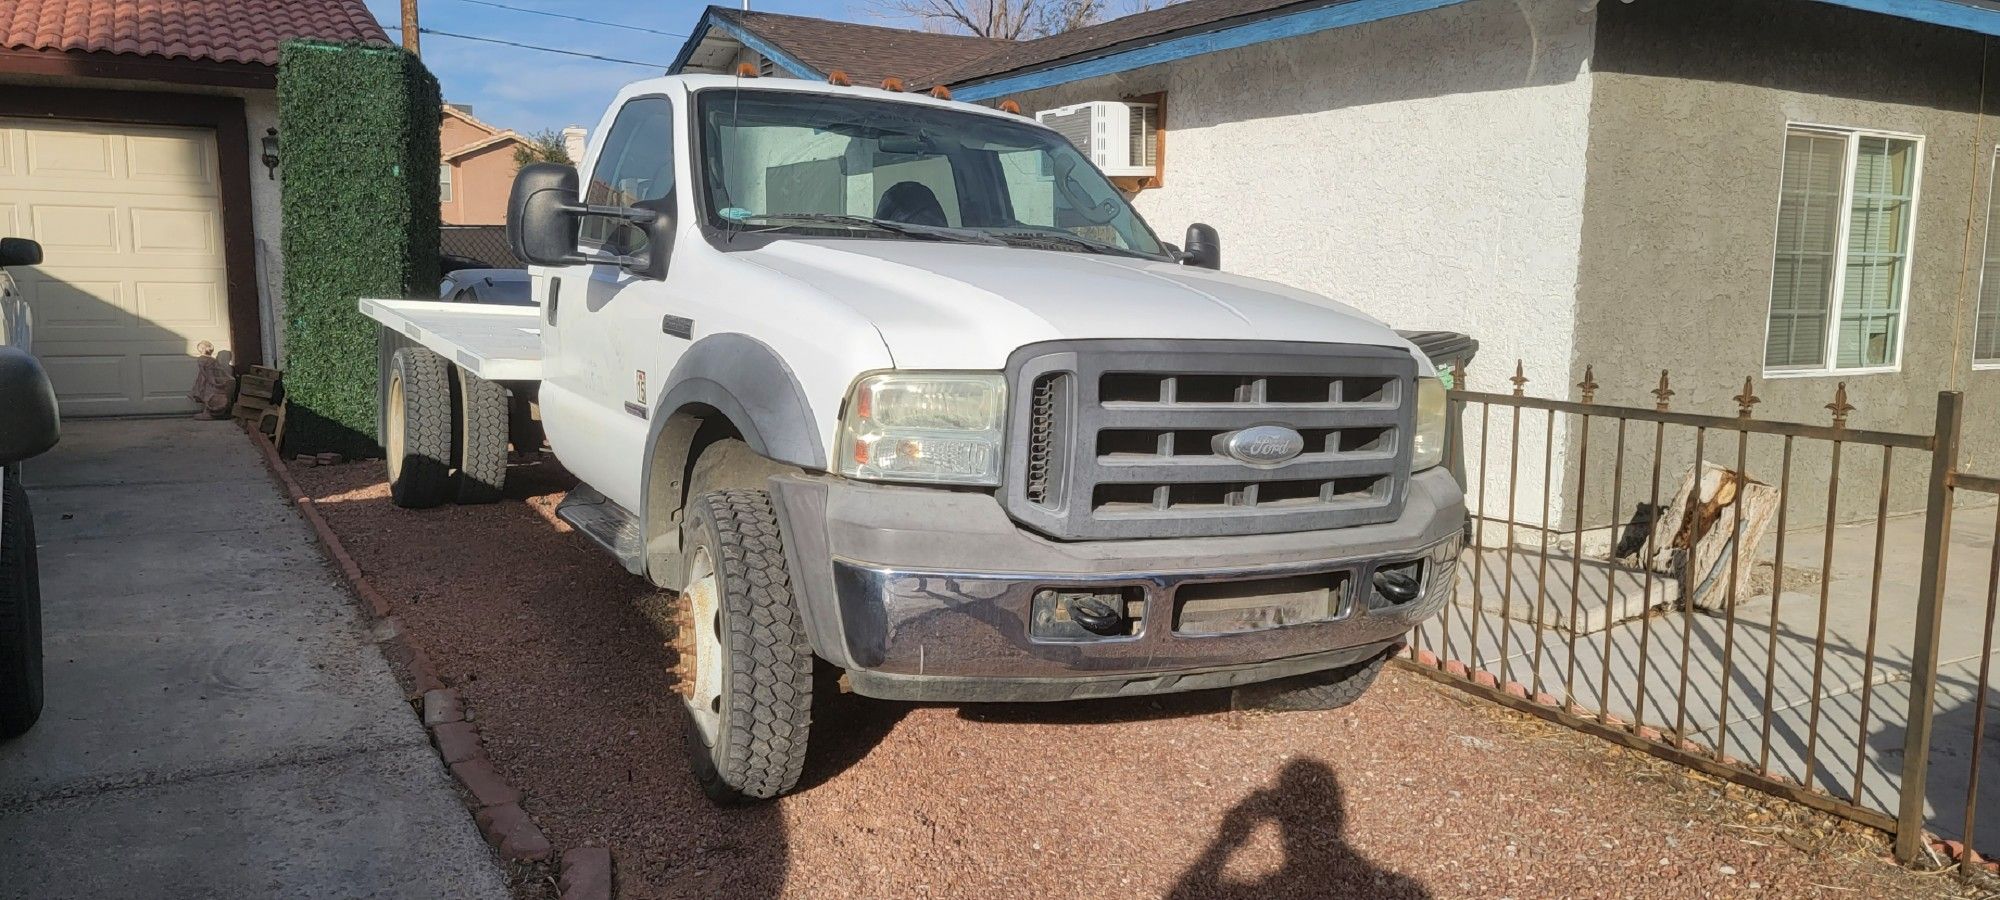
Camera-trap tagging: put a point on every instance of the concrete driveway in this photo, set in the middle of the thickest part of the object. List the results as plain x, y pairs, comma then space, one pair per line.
218, 724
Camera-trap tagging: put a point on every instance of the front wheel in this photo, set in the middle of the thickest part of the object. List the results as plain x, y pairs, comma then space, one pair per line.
746, 668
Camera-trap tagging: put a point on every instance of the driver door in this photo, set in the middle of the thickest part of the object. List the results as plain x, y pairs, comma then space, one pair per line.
609, 371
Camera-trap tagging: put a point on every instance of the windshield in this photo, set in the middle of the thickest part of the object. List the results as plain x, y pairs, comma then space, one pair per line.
790, 161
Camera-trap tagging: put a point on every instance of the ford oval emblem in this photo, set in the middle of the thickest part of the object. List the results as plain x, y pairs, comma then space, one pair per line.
1261, 445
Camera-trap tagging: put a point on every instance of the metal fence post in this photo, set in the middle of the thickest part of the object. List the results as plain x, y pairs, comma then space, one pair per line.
1930, 620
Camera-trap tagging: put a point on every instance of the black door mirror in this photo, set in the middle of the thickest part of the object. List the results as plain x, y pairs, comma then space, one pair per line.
1204, 247
19, 252
542, 214
28, 420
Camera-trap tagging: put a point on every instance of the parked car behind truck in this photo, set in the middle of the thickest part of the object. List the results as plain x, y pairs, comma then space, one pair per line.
905, 388
28, 427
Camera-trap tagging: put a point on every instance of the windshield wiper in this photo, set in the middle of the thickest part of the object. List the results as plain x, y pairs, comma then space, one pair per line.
907, 229
1067, 239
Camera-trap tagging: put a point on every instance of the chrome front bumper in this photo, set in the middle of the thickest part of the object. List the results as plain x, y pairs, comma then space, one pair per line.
915, 611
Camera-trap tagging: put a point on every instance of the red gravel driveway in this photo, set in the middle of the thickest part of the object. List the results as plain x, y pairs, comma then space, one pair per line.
1416, 791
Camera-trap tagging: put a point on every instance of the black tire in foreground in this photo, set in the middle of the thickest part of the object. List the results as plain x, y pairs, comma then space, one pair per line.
765, 714
1331, 689
417, 432
20, 612
482, 438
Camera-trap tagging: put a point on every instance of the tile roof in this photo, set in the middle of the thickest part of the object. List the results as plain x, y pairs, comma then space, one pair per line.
868, 53
237, 31
1187, 16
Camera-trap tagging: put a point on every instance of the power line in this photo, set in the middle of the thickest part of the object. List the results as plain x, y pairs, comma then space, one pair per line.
489, 40
556, 15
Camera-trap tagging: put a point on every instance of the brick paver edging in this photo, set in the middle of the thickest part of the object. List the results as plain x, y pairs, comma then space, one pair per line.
1640, 737
586, 871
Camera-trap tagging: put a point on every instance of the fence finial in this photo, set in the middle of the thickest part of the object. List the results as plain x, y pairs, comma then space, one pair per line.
1520, 378
1746, 400
1664, 393
1840, 407
1588, 384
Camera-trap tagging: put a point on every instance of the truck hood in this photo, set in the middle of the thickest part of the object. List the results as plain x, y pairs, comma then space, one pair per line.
967, 306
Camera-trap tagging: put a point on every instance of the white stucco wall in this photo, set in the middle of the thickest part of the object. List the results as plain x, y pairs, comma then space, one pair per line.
1428, 169
260, 109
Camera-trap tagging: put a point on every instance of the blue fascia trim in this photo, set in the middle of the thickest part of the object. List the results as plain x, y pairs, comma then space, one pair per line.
1324, 18
1983, 20
709, 20
1964, 16
693, 42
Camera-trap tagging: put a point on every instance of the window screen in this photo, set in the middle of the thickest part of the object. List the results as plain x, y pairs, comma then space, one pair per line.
1986, 327
1843, 250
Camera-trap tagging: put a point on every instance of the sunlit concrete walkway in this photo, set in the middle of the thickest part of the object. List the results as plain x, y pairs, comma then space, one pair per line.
217, 723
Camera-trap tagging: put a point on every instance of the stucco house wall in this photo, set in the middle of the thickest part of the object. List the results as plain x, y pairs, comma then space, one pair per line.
1427, 169
1679, 225
480, 183
480, 179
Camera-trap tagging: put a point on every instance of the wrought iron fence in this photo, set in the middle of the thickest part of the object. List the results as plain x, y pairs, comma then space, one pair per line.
1733, 594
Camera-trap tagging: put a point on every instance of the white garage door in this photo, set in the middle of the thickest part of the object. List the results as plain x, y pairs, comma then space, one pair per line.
130, 221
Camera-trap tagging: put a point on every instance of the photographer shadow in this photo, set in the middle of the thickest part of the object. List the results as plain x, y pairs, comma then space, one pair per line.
1307, 808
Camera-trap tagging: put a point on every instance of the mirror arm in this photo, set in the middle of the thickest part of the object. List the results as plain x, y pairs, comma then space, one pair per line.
630, 214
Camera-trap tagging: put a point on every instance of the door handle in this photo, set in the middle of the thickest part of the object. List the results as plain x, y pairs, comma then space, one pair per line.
555, 297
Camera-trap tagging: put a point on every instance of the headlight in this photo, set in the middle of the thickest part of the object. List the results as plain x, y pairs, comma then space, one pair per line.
933, 427
1431, 406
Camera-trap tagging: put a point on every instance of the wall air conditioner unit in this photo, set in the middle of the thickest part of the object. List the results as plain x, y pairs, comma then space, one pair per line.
1119, 138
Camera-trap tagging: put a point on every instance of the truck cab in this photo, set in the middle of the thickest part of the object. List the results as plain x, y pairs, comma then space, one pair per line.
904, 388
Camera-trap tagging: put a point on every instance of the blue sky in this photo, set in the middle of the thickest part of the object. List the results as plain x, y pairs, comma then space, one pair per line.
528, 90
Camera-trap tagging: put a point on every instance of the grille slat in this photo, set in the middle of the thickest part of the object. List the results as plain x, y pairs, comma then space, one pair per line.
1231, 416
1136, 437
1222, 468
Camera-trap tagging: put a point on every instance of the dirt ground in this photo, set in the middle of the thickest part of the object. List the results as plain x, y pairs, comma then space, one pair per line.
1416, 791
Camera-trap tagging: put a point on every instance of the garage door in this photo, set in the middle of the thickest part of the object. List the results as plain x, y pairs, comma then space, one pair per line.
130, 221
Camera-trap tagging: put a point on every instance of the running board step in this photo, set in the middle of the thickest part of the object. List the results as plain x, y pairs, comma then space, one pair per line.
613, 527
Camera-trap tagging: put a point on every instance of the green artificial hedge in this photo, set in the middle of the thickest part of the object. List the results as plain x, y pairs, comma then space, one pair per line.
358, 139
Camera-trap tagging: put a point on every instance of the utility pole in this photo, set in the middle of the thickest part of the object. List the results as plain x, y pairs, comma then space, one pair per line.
411, 31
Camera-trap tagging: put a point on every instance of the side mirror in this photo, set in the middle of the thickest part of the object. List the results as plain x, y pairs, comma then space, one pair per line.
28, 420
541, 221
544, 212
19, 252
1204, 247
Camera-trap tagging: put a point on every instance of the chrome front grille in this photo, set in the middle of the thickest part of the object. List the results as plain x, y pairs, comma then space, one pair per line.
1123, 439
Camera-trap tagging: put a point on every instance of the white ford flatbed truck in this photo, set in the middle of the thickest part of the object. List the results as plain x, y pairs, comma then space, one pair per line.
904, 389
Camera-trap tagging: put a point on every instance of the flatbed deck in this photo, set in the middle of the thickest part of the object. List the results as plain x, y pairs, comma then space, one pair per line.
497, 343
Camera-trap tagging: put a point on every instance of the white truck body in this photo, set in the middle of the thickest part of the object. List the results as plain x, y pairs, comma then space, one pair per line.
742, 320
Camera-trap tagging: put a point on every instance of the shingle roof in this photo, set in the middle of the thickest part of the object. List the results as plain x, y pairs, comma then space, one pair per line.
1188, 16
868, 53
238, 31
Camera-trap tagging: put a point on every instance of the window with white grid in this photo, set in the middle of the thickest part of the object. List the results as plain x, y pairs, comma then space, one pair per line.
1846, 207
1986, 319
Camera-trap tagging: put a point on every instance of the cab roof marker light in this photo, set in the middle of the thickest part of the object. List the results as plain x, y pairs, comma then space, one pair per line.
1009, 106
746, 70
838, 78
941, 92
892, 83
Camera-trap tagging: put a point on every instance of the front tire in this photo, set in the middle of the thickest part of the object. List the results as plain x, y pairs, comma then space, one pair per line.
417, 419
750, 697
20, 612
1331, 689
